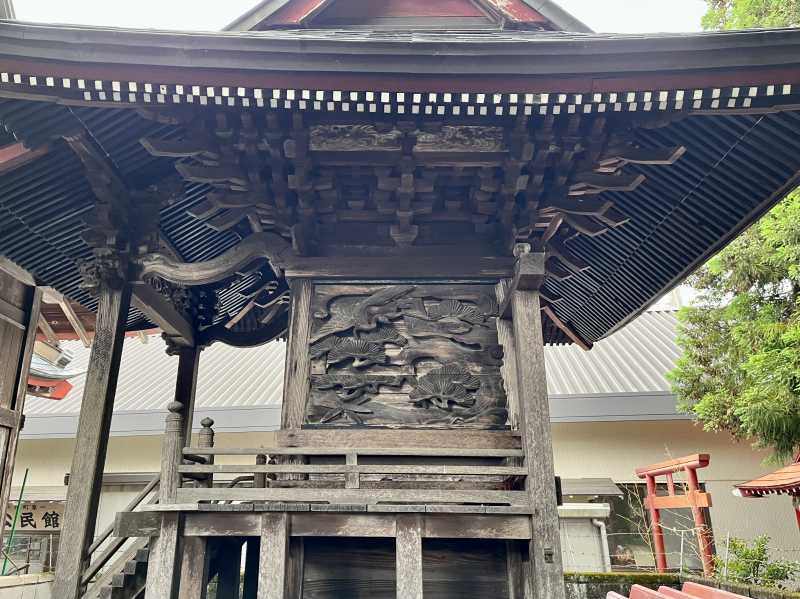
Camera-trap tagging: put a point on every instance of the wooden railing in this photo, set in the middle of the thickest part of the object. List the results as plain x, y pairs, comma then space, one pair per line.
489, 477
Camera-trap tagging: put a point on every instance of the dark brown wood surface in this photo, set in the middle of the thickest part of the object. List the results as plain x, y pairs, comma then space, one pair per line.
404, 354
94, 426
17, 337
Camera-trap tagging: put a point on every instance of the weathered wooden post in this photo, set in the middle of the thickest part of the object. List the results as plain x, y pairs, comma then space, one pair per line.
186, 385
260, 478
94, 425
408, 556
195, 562
274, 546
534, 422
163, 564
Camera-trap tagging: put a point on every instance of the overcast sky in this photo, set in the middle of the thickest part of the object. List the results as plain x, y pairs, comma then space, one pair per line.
629, 16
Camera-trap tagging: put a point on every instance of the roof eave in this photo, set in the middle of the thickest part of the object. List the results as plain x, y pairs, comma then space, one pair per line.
587, 55
558, 16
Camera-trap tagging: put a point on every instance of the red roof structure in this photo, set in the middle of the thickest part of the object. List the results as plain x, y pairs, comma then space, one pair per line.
452, 14
785, 481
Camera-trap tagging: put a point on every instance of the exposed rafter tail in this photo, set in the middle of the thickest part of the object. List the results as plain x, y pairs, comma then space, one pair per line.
568, 331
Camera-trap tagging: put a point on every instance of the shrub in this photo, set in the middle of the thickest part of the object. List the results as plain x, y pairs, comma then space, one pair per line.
749, 563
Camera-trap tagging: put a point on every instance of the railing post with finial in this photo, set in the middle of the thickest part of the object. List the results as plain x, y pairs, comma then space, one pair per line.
171, 454
206, 441
163, 568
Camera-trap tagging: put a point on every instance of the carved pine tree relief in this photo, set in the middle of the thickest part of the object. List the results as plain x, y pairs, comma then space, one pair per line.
403, 355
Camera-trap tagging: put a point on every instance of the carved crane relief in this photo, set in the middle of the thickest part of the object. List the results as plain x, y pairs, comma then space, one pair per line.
401, 355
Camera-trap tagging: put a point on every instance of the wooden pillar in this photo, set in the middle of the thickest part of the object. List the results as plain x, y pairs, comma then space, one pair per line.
251, 561
94, 426
298, 358
272, 559
296, 390
163, 569
704, 541
408, 554
230, 568
534, 419
186, 387
658, 532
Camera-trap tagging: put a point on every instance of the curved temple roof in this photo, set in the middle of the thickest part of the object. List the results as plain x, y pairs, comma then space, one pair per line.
785, 481
638, 156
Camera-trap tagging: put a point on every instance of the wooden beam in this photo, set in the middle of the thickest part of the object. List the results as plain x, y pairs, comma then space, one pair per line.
502, 526
545, 546
439, 267
51, 296
409, 556
16, 271
94, 425
576, 339
273, 557
269, 246
407, 439
186, 387
163, 314
47, 331
17, 155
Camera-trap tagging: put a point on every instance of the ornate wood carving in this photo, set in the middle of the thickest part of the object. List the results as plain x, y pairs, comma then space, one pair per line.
267, 246
405, 355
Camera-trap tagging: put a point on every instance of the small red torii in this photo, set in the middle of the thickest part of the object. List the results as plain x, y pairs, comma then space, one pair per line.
694, 498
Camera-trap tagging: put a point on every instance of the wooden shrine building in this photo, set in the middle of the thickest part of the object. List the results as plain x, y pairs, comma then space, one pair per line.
417, 196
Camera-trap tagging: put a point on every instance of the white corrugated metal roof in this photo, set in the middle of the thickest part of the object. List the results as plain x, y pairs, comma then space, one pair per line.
228, 376
633, 360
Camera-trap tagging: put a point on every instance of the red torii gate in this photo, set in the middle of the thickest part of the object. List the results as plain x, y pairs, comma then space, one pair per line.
694, 499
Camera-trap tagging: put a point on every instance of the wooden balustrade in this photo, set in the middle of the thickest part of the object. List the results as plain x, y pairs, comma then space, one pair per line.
479, 476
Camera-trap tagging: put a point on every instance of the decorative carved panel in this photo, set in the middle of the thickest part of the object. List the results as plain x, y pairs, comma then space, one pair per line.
405, 355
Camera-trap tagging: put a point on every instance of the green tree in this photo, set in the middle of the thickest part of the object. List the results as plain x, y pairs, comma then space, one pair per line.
740, 368
745, 14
